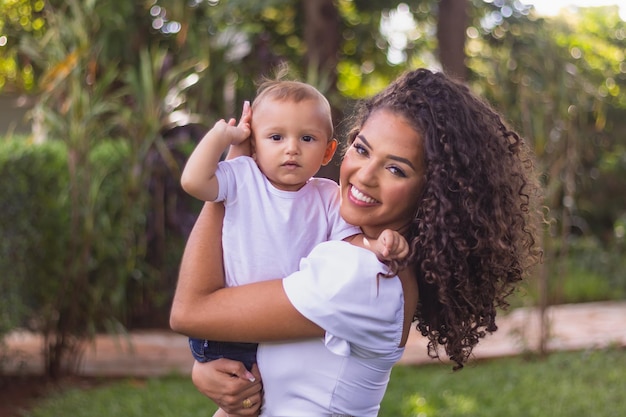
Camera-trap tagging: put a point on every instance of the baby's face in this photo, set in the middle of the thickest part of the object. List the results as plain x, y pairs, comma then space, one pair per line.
291, 141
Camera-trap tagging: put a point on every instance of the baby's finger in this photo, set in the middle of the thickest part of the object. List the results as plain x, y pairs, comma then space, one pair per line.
246, 113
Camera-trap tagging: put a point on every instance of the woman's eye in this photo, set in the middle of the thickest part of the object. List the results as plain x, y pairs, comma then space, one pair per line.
396, 171
275, 137
359, 149
308, 138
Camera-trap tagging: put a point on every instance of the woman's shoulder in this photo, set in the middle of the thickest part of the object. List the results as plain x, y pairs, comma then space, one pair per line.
340, 267
341, 288
342, 252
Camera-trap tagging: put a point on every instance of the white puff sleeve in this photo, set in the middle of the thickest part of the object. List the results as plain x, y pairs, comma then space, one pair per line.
337, 288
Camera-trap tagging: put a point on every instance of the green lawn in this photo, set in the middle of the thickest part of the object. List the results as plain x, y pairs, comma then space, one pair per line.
574, 384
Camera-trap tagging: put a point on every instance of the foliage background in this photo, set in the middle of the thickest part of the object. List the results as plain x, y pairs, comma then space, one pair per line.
95, 220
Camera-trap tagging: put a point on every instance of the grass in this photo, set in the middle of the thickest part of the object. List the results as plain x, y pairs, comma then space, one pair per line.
568, 384
169, 396
564, 384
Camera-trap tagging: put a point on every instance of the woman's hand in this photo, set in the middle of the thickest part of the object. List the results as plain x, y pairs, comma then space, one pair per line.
230, 385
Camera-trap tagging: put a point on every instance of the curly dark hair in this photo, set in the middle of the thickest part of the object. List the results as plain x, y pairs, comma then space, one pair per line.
472, 239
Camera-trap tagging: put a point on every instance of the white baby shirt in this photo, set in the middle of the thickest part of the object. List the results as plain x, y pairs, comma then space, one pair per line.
267, 231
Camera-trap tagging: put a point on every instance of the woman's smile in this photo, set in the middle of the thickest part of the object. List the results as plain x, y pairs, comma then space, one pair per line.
359, 197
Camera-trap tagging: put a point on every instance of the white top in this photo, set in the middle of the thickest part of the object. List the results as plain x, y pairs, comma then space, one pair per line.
346, 372
267, 231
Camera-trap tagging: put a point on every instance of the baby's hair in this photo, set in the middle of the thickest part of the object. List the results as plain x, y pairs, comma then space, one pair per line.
280, 88
473, 236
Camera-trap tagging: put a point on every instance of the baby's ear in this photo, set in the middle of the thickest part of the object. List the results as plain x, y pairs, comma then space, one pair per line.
331, 147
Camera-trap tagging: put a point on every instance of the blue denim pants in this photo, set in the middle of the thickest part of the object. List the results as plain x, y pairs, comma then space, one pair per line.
207, 350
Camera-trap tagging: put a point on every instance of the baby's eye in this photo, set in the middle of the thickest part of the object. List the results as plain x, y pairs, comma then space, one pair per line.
276, 137
307, 138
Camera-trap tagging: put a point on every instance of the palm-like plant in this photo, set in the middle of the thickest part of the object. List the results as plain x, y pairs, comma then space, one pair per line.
84, 100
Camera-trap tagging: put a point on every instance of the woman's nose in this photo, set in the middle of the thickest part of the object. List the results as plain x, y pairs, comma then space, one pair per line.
367, 173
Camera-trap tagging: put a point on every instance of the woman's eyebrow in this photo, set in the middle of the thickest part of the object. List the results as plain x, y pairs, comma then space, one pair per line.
403, 160
393, 157
364, 141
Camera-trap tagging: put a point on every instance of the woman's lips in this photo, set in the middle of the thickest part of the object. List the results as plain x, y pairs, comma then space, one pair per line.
360, 197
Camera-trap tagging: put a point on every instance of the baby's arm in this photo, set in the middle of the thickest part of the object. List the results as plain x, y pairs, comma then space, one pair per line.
198, 178
390, 245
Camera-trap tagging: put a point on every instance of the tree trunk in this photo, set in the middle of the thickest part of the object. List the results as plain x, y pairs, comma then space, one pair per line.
322, 34
451, 26
322, 37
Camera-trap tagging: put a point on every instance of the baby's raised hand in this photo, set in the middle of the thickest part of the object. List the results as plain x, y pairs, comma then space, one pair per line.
244, 124
390, 246
240, 142
236, 133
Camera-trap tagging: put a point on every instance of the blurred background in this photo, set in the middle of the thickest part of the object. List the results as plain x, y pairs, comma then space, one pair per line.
101, 102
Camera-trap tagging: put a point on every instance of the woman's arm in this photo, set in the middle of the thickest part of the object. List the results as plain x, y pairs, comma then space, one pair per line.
249, 313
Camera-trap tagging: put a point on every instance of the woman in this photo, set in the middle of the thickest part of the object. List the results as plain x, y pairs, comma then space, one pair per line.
426, 158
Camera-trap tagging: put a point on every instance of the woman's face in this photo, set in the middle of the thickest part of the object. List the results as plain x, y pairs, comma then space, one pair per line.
382, 174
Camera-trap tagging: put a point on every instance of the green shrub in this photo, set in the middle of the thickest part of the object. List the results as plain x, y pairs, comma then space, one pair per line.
33, 185
591, 272
67, 260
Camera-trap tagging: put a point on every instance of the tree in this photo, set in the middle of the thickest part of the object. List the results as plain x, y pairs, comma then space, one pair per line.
563, 105
17, 17
452, 22
84, 101
322, 37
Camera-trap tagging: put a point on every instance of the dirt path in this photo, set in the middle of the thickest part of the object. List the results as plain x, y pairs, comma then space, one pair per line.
162, 352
